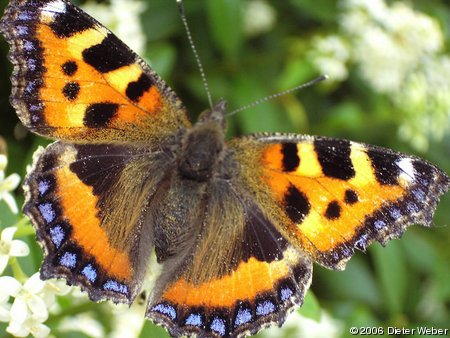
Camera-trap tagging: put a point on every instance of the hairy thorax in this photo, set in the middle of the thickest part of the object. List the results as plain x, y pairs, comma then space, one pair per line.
202, 153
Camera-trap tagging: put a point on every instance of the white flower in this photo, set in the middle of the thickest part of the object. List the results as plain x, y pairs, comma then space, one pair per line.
425, 103
84, 323
128, 320
7, 185
53, 288
414, 30
123, 18
10, 247
382, 62
330, 55
259, 17
9, 286
374, 9
29, 310
31, 326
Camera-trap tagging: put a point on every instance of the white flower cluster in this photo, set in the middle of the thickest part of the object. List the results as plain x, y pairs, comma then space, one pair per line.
29, 309
389, 42
24, 306
7, 185
123, 18
399, 52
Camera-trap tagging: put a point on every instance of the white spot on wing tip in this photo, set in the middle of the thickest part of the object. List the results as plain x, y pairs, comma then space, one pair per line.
55, 7
408, 173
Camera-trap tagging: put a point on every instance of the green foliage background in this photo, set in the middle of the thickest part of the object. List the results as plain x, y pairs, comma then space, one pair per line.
406, 283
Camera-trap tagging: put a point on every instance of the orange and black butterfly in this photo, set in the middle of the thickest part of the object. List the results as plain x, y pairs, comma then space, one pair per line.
236, 225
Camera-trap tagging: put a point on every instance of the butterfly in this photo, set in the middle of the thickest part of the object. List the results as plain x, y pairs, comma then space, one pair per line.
236, 225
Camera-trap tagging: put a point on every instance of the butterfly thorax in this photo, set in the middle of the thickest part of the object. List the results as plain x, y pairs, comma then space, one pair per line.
204, 146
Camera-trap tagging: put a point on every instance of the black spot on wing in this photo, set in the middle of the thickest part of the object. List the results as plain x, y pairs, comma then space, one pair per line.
71, 22
69, 68
350, 197
424, 174
48, 162
98, 115
333, 210
384, 166
109, 55
296, 204
99, 165
71, 90
261, 239
137, 88
290, 157
334, 157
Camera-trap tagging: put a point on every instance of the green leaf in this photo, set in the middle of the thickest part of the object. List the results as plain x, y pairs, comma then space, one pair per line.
225, 23
357, 283
265, 117
419, 251
392, 275
442, 273
361, 316
311, 307
162, 58
160, 19
7, 218
323, 10
296, 72
152, 330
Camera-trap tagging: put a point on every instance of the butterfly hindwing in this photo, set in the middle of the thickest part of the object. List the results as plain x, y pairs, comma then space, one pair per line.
89, 218
330, 196
249, 281
75, 80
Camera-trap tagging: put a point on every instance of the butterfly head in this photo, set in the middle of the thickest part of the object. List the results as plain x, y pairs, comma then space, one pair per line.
204, 144
215, 115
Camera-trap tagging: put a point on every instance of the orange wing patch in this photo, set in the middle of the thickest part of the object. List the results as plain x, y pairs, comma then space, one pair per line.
253, 294
249, 279
74, 196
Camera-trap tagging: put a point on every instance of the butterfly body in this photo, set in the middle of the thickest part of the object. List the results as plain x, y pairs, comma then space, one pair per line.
203, 149
236, 225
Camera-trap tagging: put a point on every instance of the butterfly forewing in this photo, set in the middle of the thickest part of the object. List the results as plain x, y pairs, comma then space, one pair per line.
75, 80
331, 196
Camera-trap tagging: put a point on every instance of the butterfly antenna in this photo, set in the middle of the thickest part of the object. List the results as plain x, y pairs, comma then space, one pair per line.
273, 96
194, 50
